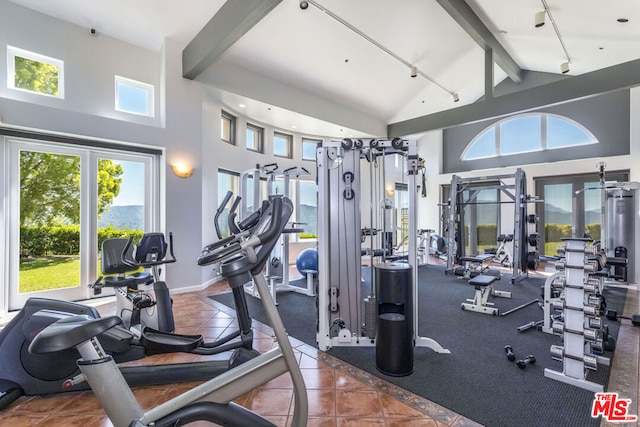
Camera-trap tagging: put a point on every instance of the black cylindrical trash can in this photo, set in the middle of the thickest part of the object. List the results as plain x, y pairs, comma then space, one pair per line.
394, 336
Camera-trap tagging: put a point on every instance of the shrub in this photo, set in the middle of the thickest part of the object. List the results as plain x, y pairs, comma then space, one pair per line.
63, 239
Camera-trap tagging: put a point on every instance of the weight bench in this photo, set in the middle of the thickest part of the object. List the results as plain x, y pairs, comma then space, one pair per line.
473, 265
483, 285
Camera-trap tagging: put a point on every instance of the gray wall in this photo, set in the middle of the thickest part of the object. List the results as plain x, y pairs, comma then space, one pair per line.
607, 117
88, 110
186, 123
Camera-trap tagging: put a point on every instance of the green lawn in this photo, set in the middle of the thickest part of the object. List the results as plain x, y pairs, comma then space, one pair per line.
50, 272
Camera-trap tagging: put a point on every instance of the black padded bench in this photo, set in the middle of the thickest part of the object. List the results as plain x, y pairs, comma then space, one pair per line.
483, 285
473, 265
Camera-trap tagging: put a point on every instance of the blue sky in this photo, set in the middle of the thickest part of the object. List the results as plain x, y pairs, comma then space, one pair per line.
132, 186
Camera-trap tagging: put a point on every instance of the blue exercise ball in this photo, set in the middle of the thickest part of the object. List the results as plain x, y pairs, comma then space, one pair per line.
307, 260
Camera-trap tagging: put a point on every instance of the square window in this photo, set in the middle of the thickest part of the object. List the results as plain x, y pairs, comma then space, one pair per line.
254, 138
309, 148
227, 128
282, 145
134, 97
32, 72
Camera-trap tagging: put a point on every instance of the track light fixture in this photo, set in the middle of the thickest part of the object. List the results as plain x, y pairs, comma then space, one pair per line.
539, 21
414, 70
564, 67
456, 97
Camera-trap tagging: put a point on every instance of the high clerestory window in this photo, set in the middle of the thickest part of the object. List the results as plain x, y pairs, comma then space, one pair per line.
35, 73
134, 97
527, 133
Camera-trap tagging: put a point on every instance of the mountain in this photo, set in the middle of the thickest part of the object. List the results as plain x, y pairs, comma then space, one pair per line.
123, 217
556, 215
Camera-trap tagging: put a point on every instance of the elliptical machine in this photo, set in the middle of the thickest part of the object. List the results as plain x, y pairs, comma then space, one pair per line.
241, 260
23, 373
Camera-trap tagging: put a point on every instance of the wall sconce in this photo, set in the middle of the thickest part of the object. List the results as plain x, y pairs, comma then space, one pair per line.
390, 191
183, 171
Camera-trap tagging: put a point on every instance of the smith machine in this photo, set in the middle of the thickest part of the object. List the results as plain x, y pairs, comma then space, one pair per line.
465, 192
341, 299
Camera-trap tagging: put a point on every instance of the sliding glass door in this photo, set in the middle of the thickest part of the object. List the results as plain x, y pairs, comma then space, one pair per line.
571, 207
63, 201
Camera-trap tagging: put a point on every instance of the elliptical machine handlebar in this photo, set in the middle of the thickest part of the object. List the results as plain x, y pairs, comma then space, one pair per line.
233, 245
232, 216
219, 211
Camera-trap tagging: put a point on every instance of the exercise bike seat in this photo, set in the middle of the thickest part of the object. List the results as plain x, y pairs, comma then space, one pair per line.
69, 332
130, 281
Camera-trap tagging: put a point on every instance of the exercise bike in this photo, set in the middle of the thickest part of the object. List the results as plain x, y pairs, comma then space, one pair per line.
141, 297
241, 260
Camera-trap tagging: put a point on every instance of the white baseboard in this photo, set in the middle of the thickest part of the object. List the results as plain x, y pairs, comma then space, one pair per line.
196, 288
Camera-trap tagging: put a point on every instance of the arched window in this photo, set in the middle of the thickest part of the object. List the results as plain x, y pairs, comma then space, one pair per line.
526, 133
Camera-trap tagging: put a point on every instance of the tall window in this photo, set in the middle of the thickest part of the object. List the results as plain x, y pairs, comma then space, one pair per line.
309, 148
526, 133
134, 97
282, 145
228, 128
254, 138
227, 181
307, 208
571, 206
35, 73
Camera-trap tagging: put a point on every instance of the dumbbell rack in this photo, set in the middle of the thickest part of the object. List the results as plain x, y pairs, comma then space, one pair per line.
581, 326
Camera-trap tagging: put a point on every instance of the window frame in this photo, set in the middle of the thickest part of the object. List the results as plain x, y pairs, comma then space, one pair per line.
310, 141
149, 88
260, 138
13, 52
288, 139
543, 145
231, 119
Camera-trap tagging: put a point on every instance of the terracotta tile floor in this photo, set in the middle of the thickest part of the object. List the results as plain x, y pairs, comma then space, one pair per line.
339, 394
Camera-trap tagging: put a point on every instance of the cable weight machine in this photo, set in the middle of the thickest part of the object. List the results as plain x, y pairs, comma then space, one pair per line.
341, 321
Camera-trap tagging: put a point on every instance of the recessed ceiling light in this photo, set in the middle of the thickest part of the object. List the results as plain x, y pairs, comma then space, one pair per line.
241, 105
622, 20
294, 127
503, 32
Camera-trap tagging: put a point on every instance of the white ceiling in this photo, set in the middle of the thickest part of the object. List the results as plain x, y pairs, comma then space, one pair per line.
311, 50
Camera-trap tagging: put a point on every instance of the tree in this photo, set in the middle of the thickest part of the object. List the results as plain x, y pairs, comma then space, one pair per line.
50, 187
36, 76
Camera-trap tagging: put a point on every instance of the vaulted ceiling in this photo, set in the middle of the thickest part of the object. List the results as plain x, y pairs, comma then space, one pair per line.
357, 55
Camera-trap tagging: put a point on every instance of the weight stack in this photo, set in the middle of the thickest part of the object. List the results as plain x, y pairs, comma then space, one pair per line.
370, 315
